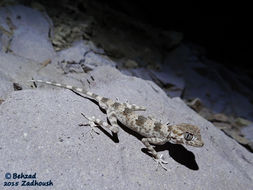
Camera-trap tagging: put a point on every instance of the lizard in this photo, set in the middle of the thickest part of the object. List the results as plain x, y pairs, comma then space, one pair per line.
153, 131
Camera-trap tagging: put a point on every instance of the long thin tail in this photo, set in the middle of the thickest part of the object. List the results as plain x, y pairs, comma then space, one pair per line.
90, 94
87, 93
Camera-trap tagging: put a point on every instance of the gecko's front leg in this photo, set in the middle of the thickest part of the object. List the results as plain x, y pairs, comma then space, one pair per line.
158, 141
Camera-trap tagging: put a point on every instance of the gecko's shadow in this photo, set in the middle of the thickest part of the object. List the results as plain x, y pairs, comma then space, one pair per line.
178, 152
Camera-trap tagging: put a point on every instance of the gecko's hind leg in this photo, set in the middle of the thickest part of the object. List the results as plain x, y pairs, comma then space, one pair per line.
102, 105
113, 120
93, 122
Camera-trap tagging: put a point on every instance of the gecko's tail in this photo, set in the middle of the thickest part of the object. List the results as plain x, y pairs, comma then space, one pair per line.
90, 94
77, 89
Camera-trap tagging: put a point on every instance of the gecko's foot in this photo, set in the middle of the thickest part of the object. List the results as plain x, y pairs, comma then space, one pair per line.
91, 123
161, 162
114, 130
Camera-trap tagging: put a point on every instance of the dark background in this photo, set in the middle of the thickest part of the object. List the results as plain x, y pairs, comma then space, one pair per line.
226, 38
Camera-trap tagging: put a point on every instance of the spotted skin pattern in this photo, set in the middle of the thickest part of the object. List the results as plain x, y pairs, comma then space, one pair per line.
154, 132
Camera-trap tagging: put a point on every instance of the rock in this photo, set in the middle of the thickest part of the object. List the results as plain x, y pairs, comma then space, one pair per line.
195, 104
172, 84
82, 57
40, 133
250, 146
236, 136
38, 6
130, 64
222, 126
74, 53
14, 69
220, 117
17, 86
211, 82
29, 32
228, 125
40, 129
242, 122
206, 113
173, 38
248, 132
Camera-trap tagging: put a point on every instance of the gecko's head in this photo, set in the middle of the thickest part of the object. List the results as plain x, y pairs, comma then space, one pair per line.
186, 134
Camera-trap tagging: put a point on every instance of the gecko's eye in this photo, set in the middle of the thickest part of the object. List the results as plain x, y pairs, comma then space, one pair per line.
188, 136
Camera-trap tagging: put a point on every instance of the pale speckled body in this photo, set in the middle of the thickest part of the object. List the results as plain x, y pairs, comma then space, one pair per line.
154, 132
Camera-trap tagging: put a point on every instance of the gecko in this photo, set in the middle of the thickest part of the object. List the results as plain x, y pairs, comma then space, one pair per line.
152, 131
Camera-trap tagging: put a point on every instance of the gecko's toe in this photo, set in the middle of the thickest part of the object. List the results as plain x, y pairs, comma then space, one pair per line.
161, 162
114, 129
